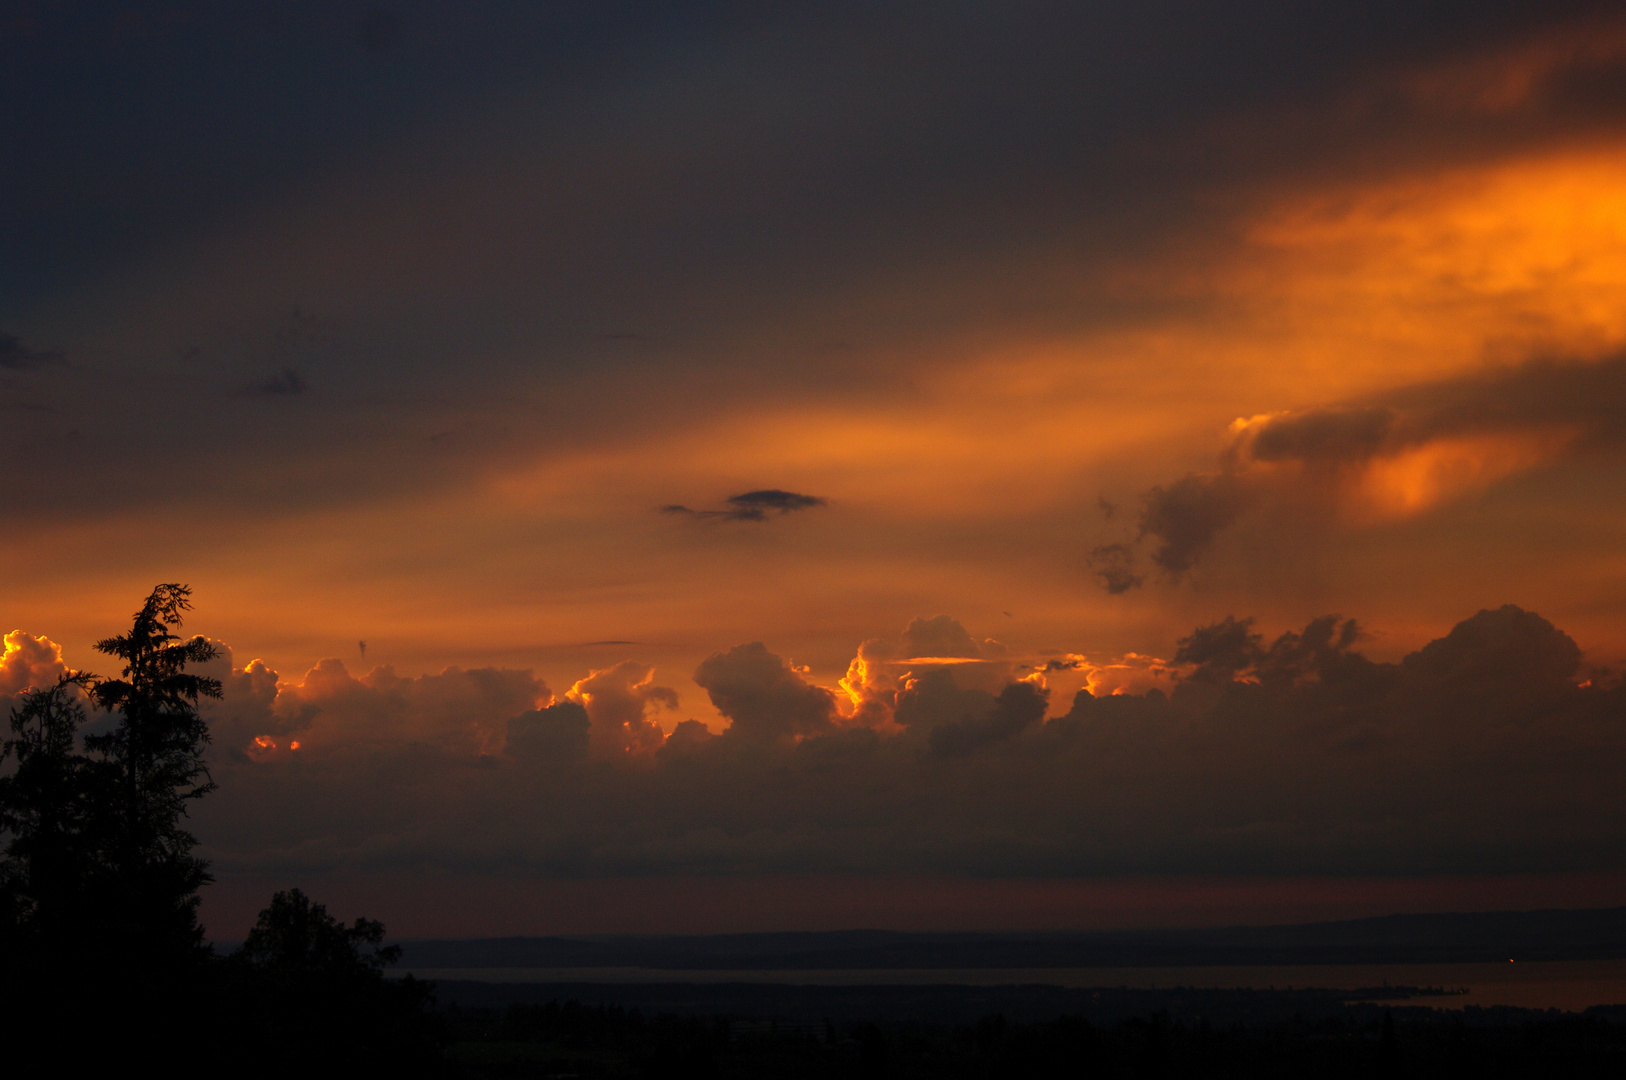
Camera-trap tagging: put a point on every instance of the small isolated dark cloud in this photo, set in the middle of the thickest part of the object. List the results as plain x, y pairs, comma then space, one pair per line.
285, 383
15, 356
755, 505
752, 506
1185, 517
1114, 564
1181, 520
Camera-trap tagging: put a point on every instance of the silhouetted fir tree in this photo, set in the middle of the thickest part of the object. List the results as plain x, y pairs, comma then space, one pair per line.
150, 875
100, 883
102, 952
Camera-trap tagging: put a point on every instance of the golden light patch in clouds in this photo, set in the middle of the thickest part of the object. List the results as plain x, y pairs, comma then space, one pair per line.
1131, 673
622, 703
1421, 341
1419, 478
1429, 274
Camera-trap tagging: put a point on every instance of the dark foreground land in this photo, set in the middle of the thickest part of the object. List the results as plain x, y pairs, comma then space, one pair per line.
745, 1030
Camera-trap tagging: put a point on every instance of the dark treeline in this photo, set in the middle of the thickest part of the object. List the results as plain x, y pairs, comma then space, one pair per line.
573, 1039
105, 962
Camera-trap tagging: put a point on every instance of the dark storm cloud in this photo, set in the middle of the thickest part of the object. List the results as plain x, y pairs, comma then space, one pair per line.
751, 506
1588, 399
15, 356
1580, 408
1484, 751
1333, 436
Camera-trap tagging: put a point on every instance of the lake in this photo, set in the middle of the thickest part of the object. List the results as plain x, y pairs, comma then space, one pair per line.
1558, 984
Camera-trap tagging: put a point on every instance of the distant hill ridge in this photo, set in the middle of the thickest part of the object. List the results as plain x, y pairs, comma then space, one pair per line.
1497, 936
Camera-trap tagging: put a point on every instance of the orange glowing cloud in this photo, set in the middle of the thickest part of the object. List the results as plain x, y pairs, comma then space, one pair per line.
621, 703
29, 663
465, 711
1420, 275
1132, 673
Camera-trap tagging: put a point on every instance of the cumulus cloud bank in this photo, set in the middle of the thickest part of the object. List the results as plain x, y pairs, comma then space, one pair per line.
1491, 749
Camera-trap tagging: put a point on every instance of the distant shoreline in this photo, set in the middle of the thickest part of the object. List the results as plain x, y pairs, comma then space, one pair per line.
1461, 938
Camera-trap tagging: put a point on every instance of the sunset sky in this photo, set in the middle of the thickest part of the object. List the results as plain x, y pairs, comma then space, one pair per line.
861, 383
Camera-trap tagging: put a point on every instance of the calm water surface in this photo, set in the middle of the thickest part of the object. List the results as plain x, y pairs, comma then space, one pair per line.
1574, 984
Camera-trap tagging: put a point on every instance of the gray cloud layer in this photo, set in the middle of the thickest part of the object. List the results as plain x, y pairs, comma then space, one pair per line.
741, 184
